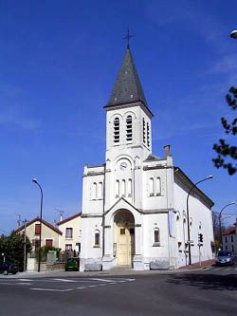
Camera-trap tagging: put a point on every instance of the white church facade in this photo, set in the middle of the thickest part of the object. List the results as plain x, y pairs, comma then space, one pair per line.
138, 210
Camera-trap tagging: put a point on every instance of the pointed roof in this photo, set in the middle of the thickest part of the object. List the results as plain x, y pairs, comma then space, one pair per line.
127, 88
37, 219
63, 221
152, 158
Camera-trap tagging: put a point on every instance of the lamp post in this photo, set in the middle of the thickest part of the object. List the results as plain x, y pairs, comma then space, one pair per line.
188, 218
220, 224
25, 252
233, 34
41, 208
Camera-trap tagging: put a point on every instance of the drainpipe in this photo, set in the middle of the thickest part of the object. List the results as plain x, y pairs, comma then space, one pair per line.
103, 216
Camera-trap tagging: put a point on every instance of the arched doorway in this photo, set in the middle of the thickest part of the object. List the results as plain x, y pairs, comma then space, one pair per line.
124, 237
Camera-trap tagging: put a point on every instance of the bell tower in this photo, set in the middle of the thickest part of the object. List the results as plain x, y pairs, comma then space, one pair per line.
128, 117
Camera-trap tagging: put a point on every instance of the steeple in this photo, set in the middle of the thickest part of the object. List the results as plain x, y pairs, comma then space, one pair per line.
127, 88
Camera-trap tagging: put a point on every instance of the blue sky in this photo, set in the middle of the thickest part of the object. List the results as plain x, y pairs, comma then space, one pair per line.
58, 62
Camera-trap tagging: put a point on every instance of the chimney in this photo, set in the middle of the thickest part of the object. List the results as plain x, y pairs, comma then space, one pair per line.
167, 151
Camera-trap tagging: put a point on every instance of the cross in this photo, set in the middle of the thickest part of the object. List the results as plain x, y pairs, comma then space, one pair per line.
127, 37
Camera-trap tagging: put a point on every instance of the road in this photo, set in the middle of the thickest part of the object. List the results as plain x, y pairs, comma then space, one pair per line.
205, 292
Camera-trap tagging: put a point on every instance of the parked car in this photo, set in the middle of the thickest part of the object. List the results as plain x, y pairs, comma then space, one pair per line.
72, 264
225, 258
8, 267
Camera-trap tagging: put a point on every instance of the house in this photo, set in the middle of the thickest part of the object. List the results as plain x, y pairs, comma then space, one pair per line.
70, 239
140, 210
229, 239
49, 236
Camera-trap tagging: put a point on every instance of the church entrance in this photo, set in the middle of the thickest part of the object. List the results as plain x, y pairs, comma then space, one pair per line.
124, 237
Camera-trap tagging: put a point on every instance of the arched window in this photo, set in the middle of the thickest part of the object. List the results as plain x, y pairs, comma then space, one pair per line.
94, 191
100, 190
148, 134
156, 235
116, 130
158, 186
97, 238
144, 130
129, 128
129, 187
123, 189
151, 187
117, 188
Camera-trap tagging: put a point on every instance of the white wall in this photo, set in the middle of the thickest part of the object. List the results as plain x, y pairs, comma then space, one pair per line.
75, 224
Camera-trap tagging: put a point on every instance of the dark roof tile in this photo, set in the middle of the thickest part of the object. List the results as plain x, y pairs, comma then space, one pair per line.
127, 88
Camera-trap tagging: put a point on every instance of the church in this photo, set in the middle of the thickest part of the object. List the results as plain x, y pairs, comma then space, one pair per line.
140, 211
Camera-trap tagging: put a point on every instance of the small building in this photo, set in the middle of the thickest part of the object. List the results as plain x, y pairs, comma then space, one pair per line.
70, 239
229, 239
49, 235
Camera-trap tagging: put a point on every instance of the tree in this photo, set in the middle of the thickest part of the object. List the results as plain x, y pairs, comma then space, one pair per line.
13, 248
225, 151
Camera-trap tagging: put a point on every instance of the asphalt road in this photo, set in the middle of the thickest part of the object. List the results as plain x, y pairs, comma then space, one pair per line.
206, 292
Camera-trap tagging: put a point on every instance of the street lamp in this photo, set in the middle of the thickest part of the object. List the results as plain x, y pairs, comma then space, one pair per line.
220, 224
41, 207
25, 252
233, 34
188, 221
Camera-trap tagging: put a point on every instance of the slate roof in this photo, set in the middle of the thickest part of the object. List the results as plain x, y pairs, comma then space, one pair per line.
127, 88
152, 158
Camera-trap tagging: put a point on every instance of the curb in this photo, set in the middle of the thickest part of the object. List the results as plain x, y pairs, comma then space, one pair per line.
62, 273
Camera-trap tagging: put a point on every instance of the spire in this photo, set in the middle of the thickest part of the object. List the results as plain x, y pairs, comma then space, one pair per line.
127, 88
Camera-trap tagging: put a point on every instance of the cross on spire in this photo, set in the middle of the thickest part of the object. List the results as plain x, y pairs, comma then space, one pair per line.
127, 37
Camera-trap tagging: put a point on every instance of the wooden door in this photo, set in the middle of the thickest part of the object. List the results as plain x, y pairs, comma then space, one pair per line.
123, 246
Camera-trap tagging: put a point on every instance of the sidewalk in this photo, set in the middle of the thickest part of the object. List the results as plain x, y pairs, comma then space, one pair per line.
114, 272
202, 265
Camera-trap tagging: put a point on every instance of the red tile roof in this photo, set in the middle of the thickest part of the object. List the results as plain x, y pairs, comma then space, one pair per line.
69, 218
229, 231
37, 219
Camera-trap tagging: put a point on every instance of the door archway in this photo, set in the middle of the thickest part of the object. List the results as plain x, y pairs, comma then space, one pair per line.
124, 237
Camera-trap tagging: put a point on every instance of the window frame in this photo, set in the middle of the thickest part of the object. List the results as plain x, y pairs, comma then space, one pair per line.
129, 128
156, 237
67, 235
49, 240
38, 229
148, 134
116, 130
97, 239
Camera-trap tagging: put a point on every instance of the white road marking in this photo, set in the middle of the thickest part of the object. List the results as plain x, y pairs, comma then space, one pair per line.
65, 280
50, 290
25, 280
83, 281
102, 280
98, 282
